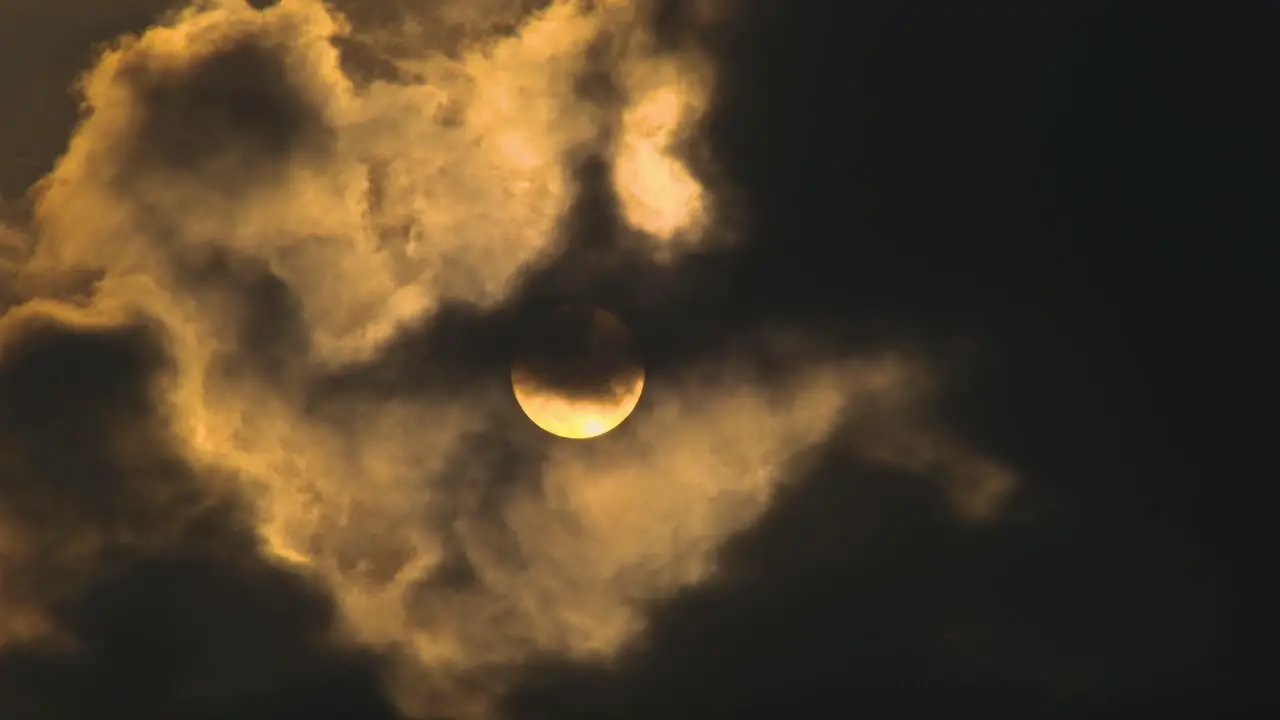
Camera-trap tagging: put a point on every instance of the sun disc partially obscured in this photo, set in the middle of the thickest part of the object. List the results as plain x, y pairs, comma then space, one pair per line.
576, 375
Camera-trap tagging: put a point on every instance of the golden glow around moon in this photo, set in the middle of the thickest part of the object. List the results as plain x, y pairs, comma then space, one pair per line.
576, 419
588, 383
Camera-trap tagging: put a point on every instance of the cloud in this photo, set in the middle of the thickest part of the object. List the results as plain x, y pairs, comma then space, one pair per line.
119, 558
13, 249
856, 591
240, 131
279, 271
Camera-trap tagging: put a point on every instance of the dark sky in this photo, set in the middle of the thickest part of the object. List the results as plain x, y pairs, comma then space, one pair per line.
1062, 185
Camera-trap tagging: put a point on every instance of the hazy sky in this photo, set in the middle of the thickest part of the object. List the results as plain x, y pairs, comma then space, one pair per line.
259, 455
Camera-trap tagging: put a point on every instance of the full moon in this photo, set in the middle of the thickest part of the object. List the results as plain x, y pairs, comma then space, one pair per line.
576, 374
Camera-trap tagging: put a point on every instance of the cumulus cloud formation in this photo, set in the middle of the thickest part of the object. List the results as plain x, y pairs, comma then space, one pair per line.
373, 206
238, 221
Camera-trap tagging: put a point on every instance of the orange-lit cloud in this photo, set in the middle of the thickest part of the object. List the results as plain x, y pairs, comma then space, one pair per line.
372, 206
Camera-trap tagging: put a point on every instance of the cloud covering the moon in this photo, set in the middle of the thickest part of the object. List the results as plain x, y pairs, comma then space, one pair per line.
257, 221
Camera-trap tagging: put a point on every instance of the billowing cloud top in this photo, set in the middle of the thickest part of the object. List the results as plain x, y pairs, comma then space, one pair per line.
221, 358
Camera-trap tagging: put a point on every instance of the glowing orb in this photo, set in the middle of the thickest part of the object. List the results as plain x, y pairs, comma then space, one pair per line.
577, 374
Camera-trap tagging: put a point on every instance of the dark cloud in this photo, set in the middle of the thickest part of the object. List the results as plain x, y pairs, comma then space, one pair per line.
150, 572
580, 352
237, 102
194, 635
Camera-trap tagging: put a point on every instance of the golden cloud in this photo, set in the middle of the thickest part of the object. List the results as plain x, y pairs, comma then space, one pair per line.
373, 206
